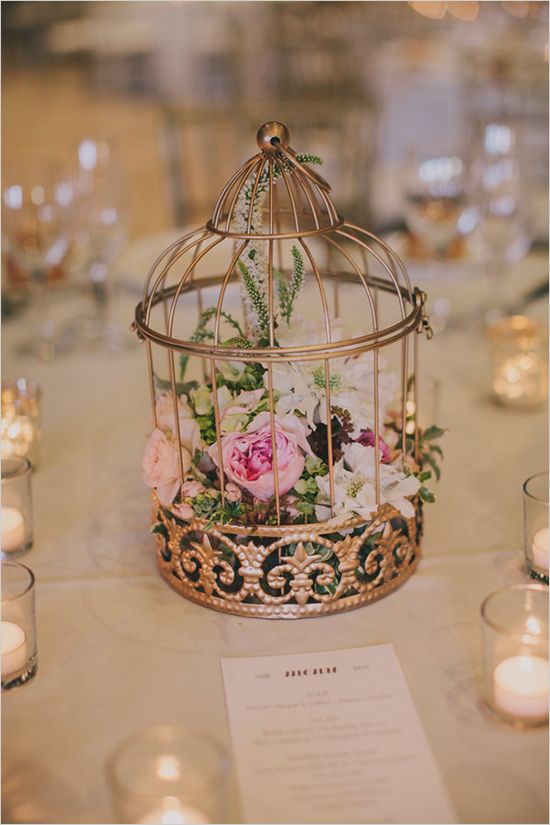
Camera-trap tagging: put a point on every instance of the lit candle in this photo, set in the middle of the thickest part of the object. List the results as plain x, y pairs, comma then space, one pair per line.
174, 814
520, 380
540, 550
13, 529
521, 687
14, 649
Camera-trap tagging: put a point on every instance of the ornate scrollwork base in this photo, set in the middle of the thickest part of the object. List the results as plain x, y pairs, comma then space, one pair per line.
288, 572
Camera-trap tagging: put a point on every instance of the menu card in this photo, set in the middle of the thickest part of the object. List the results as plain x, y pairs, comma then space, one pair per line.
331, 737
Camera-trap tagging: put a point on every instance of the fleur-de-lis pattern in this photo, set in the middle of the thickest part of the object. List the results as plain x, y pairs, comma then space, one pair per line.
292, 572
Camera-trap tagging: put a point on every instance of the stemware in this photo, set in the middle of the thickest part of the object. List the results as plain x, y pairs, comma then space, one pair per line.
98, 227
434, 201
35, 243
496, 222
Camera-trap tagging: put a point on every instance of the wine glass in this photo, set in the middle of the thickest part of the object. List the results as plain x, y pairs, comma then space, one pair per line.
98, 227
35, 244
496, 222
434, 201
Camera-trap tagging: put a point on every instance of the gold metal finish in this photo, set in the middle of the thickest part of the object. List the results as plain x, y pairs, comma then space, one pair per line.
297, 212
218, 568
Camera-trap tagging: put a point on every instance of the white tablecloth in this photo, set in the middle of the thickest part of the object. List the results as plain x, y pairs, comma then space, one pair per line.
118, 649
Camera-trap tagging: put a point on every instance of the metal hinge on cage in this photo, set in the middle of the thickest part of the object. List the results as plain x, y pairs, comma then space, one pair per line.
420, 301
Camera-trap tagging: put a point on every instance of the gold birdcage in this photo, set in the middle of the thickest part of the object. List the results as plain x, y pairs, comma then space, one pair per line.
277, 558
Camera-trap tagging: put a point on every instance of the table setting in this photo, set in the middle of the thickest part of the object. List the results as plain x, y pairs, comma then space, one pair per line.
273, 548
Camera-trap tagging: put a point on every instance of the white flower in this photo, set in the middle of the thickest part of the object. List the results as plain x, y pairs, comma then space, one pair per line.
355, 485
189, 429
301, 388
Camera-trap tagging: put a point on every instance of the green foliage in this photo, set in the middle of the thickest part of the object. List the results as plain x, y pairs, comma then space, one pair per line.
207, 424
307, 157
203, 333
256, 298
289, 292
209, 506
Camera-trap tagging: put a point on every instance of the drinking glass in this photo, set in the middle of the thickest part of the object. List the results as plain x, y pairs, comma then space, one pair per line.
496, 222
98, 227
515, 653
16, 512
18, 626
168, 774
35, 244
20, 428
434, 201
535, 526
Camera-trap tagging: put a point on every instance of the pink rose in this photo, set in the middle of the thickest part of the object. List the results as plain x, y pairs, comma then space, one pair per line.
191, 489
367, 440
184, 511
161, 468
248, 456
232, 492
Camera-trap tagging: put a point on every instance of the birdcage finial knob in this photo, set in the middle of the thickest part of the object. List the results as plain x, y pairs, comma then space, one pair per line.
272, 134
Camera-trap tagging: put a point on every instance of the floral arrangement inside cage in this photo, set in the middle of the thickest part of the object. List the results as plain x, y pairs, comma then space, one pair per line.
287, 462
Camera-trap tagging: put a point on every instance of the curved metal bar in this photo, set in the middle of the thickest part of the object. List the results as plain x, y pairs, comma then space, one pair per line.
307, 192
221, 198
259, 171
221, 296
337, 349
290, 154
366, 286
264, 236
404, 382
235, 197
332, 214
381, 262
388, 251
164, 272
183, 279
290, 196
164, 253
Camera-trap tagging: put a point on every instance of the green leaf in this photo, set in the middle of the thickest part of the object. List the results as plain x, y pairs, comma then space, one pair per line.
432, 432
426, 495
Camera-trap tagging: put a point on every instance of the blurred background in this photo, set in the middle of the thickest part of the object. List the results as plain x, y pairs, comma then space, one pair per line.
126, 119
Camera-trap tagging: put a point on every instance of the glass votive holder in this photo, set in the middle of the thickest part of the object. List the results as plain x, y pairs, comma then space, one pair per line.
515, 653
16, 529
519, 353
535, 526
168, 774
18, 625
21, 426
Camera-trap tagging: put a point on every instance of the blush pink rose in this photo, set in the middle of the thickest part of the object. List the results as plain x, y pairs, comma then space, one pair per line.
248, 456
161, 467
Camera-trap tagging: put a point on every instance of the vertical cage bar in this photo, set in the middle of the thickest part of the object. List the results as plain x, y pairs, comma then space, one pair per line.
221, 470
416, 397
176, 416
404, 391
376, 427
275, 463
328, 333
151, 371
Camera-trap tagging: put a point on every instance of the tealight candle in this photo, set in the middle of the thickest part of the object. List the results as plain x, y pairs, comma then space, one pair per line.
521, 687
12, 529
174, 814
14, 649
540, 550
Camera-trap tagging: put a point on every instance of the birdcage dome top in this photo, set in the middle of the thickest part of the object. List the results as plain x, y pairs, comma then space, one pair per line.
274, 210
